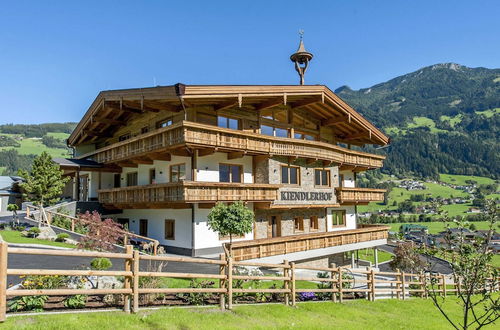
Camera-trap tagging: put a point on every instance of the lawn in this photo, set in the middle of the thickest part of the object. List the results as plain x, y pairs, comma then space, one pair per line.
367, 254
34, 146
438, 226
184, 283
425, 122
13, 236
59, 135
359, 314
461, 179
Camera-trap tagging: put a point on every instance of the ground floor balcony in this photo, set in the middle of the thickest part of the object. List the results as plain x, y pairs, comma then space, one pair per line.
359, 195
300, 247
165, 195
184, 136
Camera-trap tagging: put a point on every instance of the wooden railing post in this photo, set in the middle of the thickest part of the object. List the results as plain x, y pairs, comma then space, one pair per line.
443, 281
135, 290
72, 225
222, 282
230, 283
129, 249
3, 280
372, 284
341, 285
292, 276
403, 285
27, 211
334, 284
286, 285
155, 247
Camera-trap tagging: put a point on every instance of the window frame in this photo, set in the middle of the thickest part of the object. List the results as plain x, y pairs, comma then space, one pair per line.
136, 179
159, 123
311, 222
329, 178
145, 129
300, 222
124, 137
231, 172
152, 175
298, 175
172, 221
344, 218
227, 119
177, 165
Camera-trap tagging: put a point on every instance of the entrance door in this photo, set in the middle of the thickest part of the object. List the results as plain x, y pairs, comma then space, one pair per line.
143, 227
124, 222
84, 187
274, 226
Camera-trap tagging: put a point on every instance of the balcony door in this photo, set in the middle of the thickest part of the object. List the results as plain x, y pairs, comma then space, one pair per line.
143, 227
274, 226
84, 187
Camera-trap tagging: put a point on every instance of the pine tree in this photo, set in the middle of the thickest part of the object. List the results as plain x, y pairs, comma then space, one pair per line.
45, 184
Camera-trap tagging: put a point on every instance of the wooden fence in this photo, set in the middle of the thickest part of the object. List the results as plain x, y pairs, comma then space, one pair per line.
342, 283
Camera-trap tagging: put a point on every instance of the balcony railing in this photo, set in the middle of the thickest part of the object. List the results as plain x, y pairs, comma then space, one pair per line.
209, 136
188, 192
267, 247
359, 195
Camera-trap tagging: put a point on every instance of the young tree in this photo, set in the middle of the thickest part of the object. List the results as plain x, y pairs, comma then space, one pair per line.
470, 259
101, 234
234, 219
45, 183
13, 208
407, 258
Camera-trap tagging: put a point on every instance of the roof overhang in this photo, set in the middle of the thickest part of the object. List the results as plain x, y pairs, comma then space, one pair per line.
113, 108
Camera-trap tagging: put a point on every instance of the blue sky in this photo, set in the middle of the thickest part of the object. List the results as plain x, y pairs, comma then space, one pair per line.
55, 56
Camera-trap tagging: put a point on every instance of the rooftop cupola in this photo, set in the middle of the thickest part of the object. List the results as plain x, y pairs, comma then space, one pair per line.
301, 58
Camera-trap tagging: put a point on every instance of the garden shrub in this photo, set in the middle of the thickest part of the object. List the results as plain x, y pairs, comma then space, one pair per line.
36, 282
101, 264
34, 232
76, 301
197, 298
62, 237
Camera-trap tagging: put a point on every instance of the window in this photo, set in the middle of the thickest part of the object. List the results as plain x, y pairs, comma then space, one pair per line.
313, 223
341, 180
230, 173
304, 136
117, 180
169, 229
124, 137
143, 227
132, 179
273, 131
227, 122
124, 222
299, 224
145, 129
164, 123
267, 130
322, 178
338, 218
152, 176
177, 172
290, 175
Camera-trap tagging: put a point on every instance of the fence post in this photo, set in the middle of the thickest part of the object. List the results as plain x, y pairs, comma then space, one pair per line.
443, 281
340, 285
155, 247
73, 225
372, 273
135, 290
334, 284
286, 285
403, 285
3, 280
230, 283
292, 270
129, 249
222, 282
398, 284
27, 211
368, 285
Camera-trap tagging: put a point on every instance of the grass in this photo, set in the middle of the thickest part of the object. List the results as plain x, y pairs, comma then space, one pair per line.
59, 135
489, 113
435, 227
461, 179
14, 236
359, 314
184, 283
34, 146
452, 120
368, 255
425, 122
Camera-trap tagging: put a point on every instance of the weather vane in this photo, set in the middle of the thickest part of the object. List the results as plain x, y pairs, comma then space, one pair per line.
301, 58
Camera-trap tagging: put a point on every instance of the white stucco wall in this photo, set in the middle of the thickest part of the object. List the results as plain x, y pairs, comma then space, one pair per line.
350, 216
208, 167
156, 224
349, 181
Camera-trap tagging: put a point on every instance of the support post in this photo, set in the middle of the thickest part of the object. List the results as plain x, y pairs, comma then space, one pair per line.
3, 280
372, 284
73, 225
28, 211
443, 283
334, 284
292, 275
352, 259
398, 284
286, 284
368, 285
375, 254
229, 283
129, 249
155, 247
403, 285
341, 285
222, 282
135, 290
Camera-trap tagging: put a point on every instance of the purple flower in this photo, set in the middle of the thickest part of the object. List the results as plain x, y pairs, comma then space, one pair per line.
303, 296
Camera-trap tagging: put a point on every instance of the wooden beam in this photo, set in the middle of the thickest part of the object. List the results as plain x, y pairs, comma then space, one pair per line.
336, 120
356, 136
234, 155
143, 160
108, 121
310, 161
142, 107
305, 102
206, 152
161, 156
269, 104
126, 164
97, 134
226, 105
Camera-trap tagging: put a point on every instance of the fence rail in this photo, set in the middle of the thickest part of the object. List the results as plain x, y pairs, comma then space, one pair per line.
338, 282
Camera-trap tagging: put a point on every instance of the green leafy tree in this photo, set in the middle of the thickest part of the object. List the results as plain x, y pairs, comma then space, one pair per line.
45, 183
235, 219
13, 208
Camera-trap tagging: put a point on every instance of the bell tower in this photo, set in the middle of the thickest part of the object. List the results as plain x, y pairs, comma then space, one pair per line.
301, 58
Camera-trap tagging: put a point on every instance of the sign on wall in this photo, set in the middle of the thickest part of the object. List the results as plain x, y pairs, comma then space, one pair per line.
305, 196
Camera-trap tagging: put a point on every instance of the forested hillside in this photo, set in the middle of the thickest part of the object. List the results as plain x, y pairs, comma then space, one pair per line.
441, 119
20, 143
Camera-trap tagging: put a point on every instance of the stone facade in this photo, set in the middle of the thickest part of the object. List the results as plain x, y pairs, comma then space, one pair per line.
287, 221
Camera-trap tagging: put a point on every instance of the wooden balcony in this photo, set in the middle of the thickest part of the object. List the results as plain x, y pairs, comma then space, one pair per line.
196, 135
268, 247
165, 194
359, 195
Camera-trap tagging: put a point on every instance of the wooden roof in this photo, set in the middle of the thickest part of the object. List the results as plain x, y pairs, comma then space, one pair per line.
112, 109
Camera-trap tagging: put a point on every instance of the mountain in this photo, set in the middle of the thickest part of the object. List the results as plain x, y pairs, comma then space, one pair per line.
442, 118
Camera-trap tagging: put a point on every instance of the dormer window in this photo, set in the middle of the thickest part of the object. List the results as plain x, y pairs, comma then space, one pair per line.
164, 123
